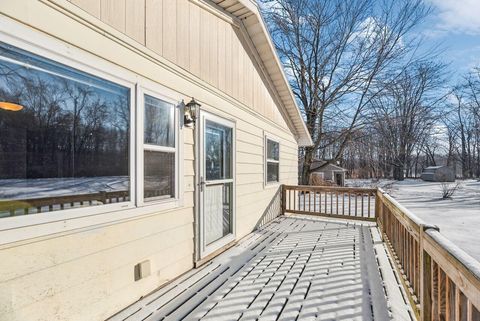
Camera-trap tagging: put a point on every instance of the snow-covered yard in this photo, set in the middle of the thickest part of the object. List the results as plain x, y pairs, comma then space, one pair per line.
458, 217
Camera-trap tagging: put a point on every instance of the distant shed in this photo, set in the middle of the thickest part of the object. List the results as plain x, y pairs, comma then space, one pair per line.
438, 174
330, 173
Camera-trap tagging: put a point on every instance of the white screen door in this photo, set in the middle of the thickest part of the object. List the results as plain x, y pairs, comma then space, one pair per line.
216, 185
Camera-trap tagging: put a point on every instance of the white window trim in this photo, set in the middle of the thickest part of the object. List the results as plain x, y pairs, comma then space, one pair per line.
156, 148
22, 227
266, 160
161, 203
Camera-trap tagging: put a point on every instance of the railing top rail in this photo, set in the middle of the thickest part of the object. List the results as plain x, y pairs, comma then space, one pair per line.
331, 188
406, 212
467, 261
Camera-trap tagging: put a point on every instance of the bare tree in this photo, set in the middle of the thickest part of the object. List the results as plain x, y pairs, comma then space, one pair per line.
335, 53
472, 92
403, 135
405, 113
462, 121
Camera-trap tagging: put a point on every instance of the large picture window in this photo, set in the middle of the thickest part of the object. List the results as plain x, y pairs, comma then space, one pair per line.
159, 149
272, 161
65, 143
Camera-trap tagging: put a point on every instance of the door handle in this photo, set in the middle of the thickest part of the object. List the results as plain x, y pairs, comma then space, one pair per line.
201, 183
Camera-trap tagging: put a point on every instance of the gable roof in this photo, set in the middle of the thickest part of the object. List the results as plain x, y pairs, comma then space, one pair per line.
248, 12
317, 163
331, 167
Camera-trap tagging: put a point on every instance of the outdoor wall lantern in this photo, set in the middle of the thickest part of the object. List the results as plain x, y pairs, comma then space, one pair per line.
10, 106
190, 113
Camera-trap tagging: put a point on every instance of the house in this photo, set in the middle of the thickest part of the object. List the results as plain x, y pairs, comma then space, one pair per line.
138, 139
438, 174
326, 172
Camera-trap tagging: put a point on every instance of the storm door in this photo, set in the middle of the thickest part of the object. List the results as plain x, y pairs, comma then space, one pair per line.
216, 184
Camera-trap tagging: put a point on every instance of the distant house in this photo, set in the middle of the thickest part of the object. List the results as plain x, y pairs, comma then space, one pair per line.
328, 172
438, 174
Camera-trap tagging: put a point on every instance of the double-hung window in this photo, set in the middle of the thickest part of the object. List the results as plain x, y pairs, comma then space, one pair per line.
159, 149
272, 161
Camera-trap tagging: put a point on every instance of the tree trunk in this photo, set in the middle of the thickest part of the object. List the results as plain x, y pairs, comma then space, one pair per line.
307, 163
398, 172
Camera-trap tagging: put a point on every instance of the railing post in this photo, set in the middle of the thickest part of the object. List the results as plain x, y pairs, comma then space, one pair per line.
284, 199
379, 212
426, 277
425, 280
103, 197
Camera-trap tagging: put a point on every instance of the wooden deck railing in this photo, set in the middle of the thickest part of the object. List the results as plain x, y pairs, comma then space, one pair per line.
340, 202
25, 206
441, 280
47, 204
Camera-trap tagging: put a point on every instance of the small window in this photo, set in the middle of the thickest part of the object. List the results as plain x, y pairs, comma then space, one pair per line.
159, 149
67, 142
272, 161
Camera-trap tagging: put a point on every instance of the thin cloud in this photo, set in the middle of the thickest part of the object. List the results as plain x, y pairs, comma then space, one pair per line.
457, 16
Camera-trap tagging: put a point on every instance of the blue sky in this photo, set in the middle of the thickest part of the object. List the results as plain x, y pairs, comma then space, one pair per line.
454, 25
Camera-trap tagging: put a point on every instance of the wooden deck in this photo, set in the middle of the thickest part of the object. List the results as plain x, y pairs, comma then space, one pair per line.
294, 268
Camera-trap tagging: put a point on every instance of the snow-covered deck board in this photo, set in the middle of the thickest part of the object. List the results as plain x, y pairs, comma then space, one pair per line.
294, 268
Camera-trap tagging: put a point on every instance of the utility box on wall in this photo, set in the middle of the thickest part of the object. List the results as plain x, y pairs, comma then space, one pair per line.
142, 270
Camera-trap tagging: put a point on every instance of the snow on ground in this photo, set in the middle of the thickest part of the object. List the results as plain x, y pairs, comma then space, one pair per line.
47, 187
458, 217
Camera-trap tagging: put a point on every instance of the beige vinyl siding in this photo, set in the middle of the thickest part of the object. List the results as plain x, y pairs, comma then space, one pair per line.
194, 39
153, 24
87, 273
135, 23
113, 12
91, 6
169, 30
51, 276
